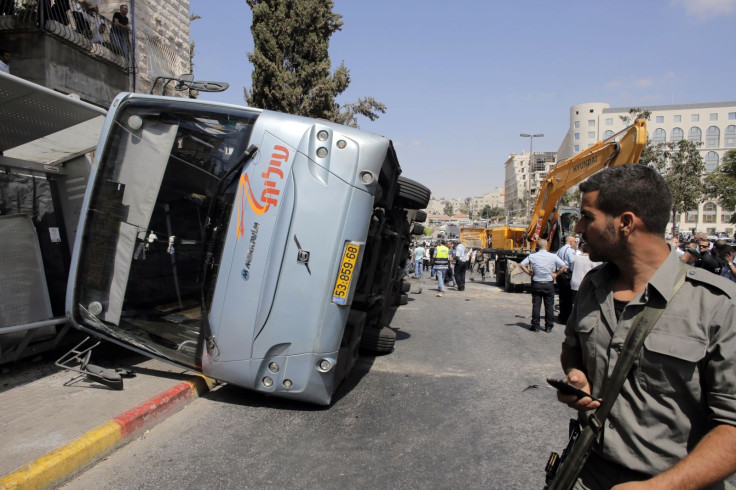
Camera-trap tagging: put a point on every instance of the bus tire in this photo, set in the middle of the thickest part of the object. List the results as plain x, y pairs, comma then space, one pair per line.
378, 341
412, 194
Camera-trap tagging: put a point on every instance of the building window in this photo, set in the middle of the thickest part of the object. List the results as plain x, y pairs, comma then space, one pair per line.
609, 121
726, 216
732, 116
577, 124
709, 212
577, 136
577, 148
695, 135
729, 139
591, 123
676, 135
713, 116
695, 118
660, 119
712, 137
607, 134
591, 134
711, 161
659, 136
676, 118
692, 217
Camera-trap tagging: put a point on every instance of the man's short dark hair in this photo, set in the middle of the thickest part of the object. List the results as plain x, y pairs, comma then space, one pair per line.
636, 188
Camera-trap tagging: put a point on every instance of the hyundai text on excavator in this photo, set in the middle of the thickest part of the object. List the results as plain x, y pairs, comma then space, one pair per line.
510, 245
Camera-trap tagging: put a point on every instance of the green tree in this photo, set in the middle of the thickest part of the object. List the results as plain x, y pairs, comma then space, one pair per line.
721, 183
682, 167
291, 63
465, 206
448, 209
571, 197
496, 211
634, 114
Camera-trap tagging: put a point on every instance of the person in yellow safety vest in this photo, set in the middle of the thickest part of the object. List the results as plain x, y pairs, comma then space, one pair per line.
441, 262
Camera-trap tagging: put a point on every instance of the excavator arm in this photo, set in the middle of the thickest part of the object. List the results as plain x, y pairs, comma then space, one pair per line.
623, 148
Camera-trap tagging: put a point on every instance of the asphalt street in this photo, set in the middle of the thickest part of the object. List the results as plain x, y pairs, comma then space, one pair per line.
461, 402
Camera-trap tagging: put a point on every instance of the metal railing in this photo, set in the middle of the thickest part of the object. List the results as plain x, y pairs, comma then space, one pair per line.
72, 22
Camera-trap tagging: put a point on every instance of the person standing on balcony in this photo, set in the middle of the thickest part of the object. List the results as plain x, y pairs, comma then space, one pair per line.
84, 13
121, 30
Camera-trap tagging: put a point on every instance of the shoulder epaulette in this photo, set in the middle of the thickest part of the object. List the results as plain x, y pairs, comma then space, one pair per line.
705, 277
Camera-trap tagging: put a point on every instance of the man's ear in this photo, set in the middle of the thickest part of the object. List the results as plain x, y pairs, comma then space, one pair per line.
628, 222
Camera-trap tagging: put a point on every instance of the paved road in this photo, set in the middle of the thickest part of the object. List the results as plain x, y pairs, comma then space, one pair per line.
461, 402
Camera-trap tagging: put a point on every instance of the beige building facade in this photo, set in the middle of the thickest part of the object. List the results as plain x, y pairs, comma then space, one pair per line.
710, 125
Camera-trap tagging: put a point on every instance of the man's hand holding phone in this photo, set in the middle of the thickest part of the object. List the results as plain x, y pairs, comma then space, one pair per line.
574, 391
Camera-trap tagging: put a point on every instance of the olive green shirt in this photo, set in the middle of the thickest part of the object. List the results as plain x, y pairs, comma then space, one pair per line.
683, 382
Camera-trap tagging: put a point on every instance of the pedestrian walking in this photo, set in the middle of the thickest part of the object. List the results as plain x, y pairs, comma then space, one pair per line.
419, 261
441, 263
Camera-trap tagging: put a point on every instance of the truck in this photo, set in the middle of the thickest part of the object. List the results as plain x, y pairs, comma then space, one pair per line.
262, 249
509, 245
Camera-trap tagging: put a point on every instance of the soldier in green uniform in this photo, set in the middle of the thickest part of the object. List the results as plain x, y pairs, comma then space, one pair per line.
674, 423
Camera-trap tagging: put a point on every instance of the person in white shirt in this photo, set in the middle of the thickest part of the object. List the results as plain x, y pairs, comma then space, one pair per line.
581, 266
5, 60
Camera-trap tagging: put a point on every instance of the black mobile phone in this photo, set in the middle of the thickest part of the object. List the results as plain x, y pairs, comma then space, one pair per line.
568, 389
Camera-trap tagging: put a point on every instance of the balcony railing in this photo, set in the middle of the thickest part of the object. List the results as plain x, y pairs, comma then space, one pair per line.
71, 22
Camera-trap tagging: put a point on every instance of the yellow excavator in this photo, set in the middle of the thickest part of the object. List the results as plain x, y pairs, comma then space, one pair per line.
510, 245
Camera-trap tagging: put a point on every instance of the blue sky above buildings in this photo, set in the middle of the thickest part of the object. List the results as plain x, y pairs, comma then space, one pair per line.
463, 79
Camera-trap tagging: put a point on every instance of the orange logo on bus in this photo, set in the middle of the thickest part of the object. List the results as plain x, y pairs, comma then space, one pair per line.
270, 194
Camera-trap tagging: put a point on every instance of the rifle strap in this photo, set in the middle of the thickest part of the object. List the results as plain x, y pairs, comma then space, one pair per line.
645, 321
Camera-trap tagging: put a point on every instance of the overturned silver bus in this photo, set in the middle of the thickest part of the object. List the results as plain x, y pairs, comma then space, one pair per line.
259, 248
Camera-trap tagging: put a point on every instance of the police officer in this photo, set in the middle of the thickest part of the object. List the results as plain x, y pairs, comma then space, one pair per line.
441, 262
546, 267
674, 423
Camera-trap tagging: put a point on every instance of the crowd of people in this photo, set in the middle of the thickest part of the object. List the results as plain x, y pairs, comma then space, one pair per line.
448, 261
716, 257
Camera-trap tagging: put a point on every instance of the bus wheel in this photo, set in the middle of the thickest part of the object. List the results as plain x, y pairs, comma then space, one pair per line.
378, 341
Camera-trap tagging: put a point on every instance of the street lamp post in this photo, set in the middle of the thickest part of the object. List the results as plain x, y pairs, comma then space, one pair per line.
531, 166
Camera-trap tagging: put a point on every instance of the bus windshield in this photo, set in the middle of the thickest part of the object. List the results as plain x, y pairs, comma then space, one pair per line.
151, 242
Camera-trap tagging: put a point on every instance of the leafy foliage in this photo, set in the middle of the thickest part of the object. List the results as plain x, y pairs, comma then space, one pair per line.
721, 183
491, 212
291, 63
634, 114
448, 209
682, 167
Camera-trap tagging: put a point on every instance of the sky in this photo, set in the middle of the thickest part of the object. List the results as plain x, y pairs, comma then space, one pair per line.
463, 79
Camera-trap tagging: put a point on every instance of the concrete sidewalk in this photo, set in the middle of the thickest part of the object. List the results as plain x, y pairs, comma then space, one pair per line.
50, 432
